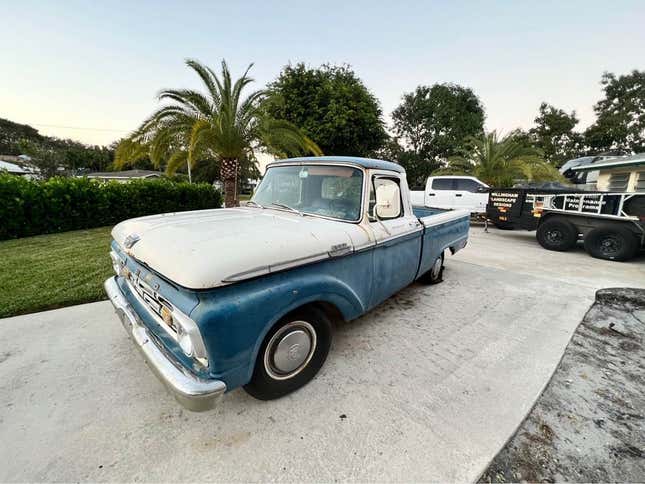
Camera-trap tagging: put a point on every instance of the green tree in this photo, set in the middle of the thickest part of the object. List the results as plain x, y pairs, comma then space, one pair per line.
47, 160
331, 105
219, 124
500, 162
78, 156
554, 134
432, 123
72, 155
13, 134
416, 168
620, 123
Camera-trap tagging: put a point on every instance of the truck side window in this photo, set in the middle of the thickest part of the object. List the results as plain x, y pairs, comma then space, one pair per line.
386, 198
442, 184
467, 185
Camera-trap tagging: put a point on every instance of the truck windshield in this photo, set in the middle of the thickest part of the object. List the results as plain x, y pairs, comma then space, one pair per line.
329, 191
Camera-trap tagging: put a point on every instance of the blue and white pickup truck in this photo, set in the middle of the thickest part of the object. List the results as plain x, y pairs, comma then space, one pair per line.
217, 299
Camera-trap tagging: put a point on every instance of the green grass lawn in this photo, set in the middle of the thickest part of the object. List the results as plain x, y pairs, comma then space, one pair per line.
52, 271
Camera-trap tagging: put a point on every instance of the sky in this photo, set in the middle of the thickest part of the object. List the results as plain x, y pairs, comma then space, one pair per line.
90, 71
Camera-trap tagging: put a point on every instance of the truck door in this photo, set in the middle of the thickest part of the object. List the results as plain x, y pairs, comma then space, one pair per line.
468, 195
440, 192
397, 232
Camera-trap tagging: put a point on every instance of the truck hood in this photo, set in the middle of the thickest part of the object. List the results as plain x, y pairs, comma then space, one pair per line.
209, 248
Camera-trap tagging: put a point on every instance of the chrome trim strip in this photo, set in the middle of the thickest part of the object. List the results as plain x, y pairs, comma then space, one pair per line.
369, 245
397, 236
442, 218
298, 262
280, 266
190, 391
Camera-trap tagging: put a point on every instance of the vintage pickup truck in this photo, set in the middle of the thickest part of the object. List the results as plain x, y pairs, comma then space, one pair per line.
217, 299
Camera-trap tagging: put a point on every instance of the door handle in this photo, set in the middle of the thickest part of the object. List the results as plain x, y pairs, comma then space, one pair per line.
458, 195
431, 194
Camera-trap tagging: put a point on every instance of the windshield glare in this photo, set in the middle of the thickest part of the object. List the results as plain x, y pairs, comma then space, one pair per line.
330, 191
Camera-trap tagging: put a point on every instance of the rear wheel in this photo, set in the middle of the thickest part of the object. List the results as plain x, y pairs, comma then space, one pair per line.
611, 243
291, 354
557, 234
435, 274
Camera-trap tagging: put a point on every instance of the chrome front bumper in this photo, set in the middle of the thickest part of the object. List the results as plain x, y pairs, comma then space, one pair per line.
193, 393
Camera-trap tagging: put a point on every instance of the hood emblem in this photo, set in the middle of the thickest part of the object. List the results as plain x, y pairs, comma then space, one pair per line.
130, 240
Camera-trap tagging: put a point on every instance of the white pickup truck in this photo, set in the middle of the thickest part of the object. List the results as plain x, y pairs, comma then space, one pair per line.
453, 192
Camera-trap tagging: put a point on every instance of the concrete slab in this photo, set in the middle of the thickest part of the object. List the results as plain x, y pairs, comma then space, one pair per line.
519, 251
429, 386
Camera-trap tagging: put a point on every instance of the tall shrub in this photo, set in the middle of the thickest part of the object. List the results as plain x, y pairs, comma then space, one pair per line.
60, 204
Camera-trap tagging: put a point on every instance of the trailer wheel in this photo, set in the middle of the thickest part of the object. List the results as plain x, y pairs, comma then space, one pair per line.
611, 243
556, 233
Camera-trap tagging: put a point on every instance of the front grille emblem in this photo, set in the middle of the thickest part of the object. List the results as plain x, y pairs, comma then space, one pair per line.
130, 240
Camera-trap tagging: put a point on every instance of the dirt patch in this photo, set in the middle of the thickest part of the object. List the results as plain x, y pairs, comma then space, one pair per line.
589, 424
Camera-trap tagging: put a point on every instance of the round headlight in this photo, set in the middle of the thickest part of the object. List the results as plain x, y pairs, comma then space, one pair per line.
189, 338
185, 342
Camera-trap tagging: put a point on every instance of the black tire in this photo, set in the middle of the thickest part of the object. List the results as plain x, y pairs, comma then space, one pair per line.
435, 274
269, 381
557, 234
611, 243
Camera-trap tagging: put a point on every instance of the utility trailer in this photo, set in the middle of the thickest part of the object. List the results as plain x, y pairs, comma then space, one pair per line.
611, 225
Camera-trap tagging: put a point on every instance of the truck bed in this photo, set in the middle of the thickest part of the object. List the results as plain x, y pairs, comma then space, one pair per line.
442, 229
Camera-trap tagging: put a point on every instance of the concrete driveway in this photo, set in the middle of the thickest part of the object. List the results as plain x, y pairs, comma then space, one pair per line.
429, 386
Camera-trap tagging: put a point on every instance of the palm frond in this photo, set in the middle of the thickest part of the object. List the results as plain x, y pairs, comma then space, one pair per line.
220, 123
129, 152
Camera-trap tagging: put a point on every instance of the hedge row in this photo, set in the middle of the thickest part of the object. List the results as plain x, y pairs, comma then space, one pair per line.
42, 207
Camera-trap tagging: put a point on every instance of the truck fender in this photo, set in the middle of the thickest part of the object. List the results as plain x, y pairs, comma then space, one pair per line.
314, 290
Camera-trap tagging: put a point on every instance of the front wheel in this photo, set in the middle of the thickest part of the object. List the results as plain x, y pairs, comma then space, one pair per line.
291, 354
611, 243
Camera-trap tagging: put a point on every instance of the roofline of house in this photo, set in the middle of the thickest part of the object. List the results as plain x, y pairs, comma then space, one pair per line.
613, 164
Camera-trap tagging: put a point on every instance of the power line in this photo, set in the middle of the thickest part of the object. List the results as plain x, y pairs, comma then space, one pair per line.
82, 128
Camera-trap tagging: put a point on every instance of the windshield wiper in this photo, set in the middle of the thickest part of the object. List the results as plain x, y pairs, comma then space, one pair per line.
254, 203
287, 207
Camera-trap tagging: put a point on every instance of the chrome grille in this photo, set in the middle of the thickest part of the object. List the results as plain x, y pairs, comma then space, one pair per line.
151, 300
145, 294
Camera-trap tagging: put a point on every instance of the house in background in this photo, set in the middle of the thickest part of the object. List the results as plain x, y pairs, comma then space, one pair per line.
124, 176
17, 165
623, 174
12, 168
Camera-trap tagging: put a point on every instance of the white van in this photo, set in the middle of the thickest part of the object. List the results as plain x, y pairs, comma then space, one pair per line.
453, 192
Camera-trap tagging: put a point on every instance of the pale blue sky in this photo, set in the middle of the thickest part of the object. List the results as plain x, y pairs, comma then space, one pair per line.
100, 64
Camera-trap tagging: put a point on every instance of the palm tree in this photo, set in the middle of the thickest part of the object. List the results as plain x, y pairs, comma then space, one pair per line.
499, 162
219, 125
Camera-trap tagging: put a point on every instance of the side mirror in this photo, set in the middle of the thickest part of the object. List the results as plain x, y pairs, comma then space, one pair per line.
388, 200
483, 189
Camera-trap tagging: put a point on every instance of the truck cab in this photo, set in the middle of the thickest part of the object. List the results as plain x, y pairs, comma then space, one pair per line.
453, 192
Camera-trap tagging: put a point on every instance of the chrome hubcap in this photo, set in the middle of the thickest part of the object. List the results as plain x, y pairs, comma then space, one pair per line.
290, 350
